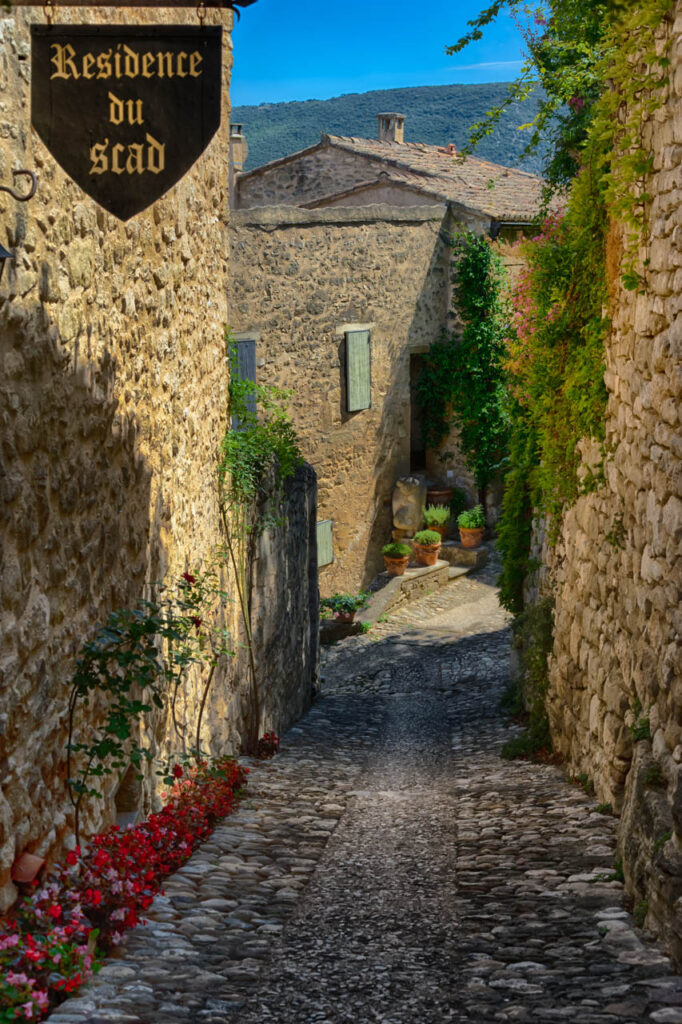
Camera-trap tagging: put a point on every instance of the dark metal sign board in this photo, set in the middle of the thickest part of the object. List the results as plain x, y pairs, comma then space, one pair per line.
126, 110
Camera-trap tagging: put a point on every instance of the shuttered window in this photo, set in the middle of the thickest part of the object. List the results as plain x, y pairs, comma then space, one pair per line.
325, 548
358, 371
243, 367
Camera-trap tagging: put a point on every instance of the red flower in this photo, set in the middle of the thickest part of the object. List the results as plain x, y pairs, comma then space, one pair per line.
188, 578
72, 856
55, 912
196, 621
177, 770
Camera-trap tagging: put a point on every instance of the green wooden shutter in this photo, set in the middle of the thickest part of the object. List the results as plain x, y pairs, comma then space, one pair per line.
243, 366
358, 374
325, 546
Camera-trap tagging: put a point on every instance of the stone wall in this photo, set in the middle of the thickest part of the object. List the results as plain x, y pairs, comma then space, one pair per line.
113, 393
616, 669
301, 278
319, 171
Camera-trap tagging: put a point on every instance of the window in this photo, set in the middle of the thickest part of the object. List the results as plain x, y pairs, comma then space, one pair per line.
243, 367
358, 371
325, 544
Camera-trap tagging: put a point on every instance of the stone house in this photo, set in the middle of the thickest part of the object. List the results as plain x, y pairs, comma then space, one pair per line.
113, 403
340, 282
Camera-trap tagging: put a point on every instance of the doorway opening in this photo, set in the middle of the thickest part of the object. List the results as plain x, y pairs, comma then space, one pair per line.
417, 445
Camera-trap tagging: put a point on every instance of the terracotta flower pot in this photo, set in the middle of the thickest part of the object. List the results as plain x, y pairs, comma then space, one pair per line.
443, 530
427, 554
439, 496
344, 616
470, 538
395, 566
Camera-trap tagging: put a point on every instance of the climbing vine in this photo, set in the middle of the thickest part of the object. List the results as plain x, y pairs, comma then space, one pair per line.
462, 379
140, 659
603, 67
560, 319
257, 456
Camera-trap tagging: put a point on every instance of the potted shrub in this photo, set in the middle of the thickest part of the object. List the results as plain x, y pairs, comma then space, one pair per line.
344, 606
396, 557
437, 517
471, 525
426, 546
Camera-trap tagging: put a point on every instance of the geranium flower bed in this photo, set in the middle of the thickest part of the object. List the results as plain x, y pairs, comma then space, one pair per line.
53, 939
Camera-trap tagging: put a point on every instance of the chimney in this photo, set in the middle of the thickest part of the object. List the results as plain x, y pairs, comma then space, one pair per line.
391, 128
239, 150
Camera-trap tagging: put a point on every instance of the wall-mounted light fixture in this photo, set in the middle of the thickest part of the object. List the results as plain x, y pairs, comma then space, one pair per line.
5, 254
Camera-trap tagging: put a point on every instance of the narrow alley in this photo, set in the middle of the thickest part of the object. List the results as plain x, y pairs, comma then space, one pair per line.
388, 866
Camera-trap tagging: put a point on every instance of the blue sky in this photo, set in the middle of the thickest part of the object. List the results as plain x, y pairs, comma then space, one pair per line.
314, 50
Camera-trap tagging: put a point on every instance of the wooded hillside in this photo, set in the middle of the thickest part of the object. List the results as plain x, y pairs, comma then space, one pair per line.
435, 114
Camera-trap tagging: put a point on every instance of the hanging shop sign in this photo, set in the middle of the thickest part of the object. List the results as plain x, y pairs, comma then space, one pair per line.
126, 110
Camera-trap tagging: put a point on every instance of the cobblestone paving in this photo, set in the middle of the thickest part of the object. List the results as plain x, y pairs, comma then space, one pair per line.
389, 867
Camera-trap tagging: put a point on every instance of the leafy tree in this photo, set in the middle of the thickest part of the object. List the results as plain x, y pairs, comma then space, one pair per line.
567, 43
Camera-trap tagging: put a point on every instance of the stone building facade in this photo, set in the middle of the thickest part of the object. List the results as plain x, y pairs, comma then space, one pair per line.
615, 699
355, 235
113, 398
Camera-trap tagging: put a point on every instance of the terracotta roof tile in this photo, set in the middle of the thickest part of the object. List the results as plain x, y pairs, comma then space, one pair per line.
504, 193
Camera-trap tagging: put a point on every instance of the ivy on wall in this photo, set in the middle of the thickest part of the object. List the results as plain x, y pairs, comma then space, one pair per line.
560, 320
462, 380
603, 66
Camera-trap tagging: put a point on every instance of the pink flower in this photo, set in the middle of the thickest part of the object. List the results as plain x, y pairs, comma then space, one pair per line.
16, 979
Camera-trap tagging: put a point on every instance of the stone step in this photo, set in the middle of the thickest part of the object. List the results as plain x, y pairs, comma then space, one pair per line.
453, 552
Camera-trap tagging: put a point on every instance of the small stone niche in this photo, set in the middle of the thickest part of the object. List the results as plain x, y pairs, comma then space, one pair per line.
128, 798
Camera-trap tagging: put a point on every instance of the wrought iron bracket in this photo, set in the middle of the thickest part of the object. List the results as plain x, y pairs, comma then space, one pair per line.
17, 195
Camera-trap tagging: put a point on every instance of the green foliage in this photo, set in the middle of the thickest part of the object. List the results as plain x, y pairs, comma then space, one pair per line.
472, 519
641, 728
602, 67
478, 386
346, 604
436, 515
427, 537
458, 502
462, 381
136, 662
395, 549
585, 782
640, 912
262, 451
515, 525
533, 638
435, 115
616, 535
605, 808
255, 460
653, 775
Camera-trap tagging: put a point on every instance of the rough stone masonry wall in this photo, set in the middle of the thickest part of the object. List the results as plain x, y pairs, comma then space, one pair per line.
617, 567
321, 172
113, 392
298, 279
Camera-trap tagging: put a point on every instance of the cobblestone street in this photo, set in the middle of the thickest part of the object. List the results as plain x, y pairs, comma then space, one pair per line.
389, 867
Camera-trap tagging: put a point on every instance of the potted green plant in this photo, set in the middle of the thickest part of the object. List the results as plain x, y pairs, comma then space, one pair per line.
426, 546
437, 517
396, 556
344, 606
471, 525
